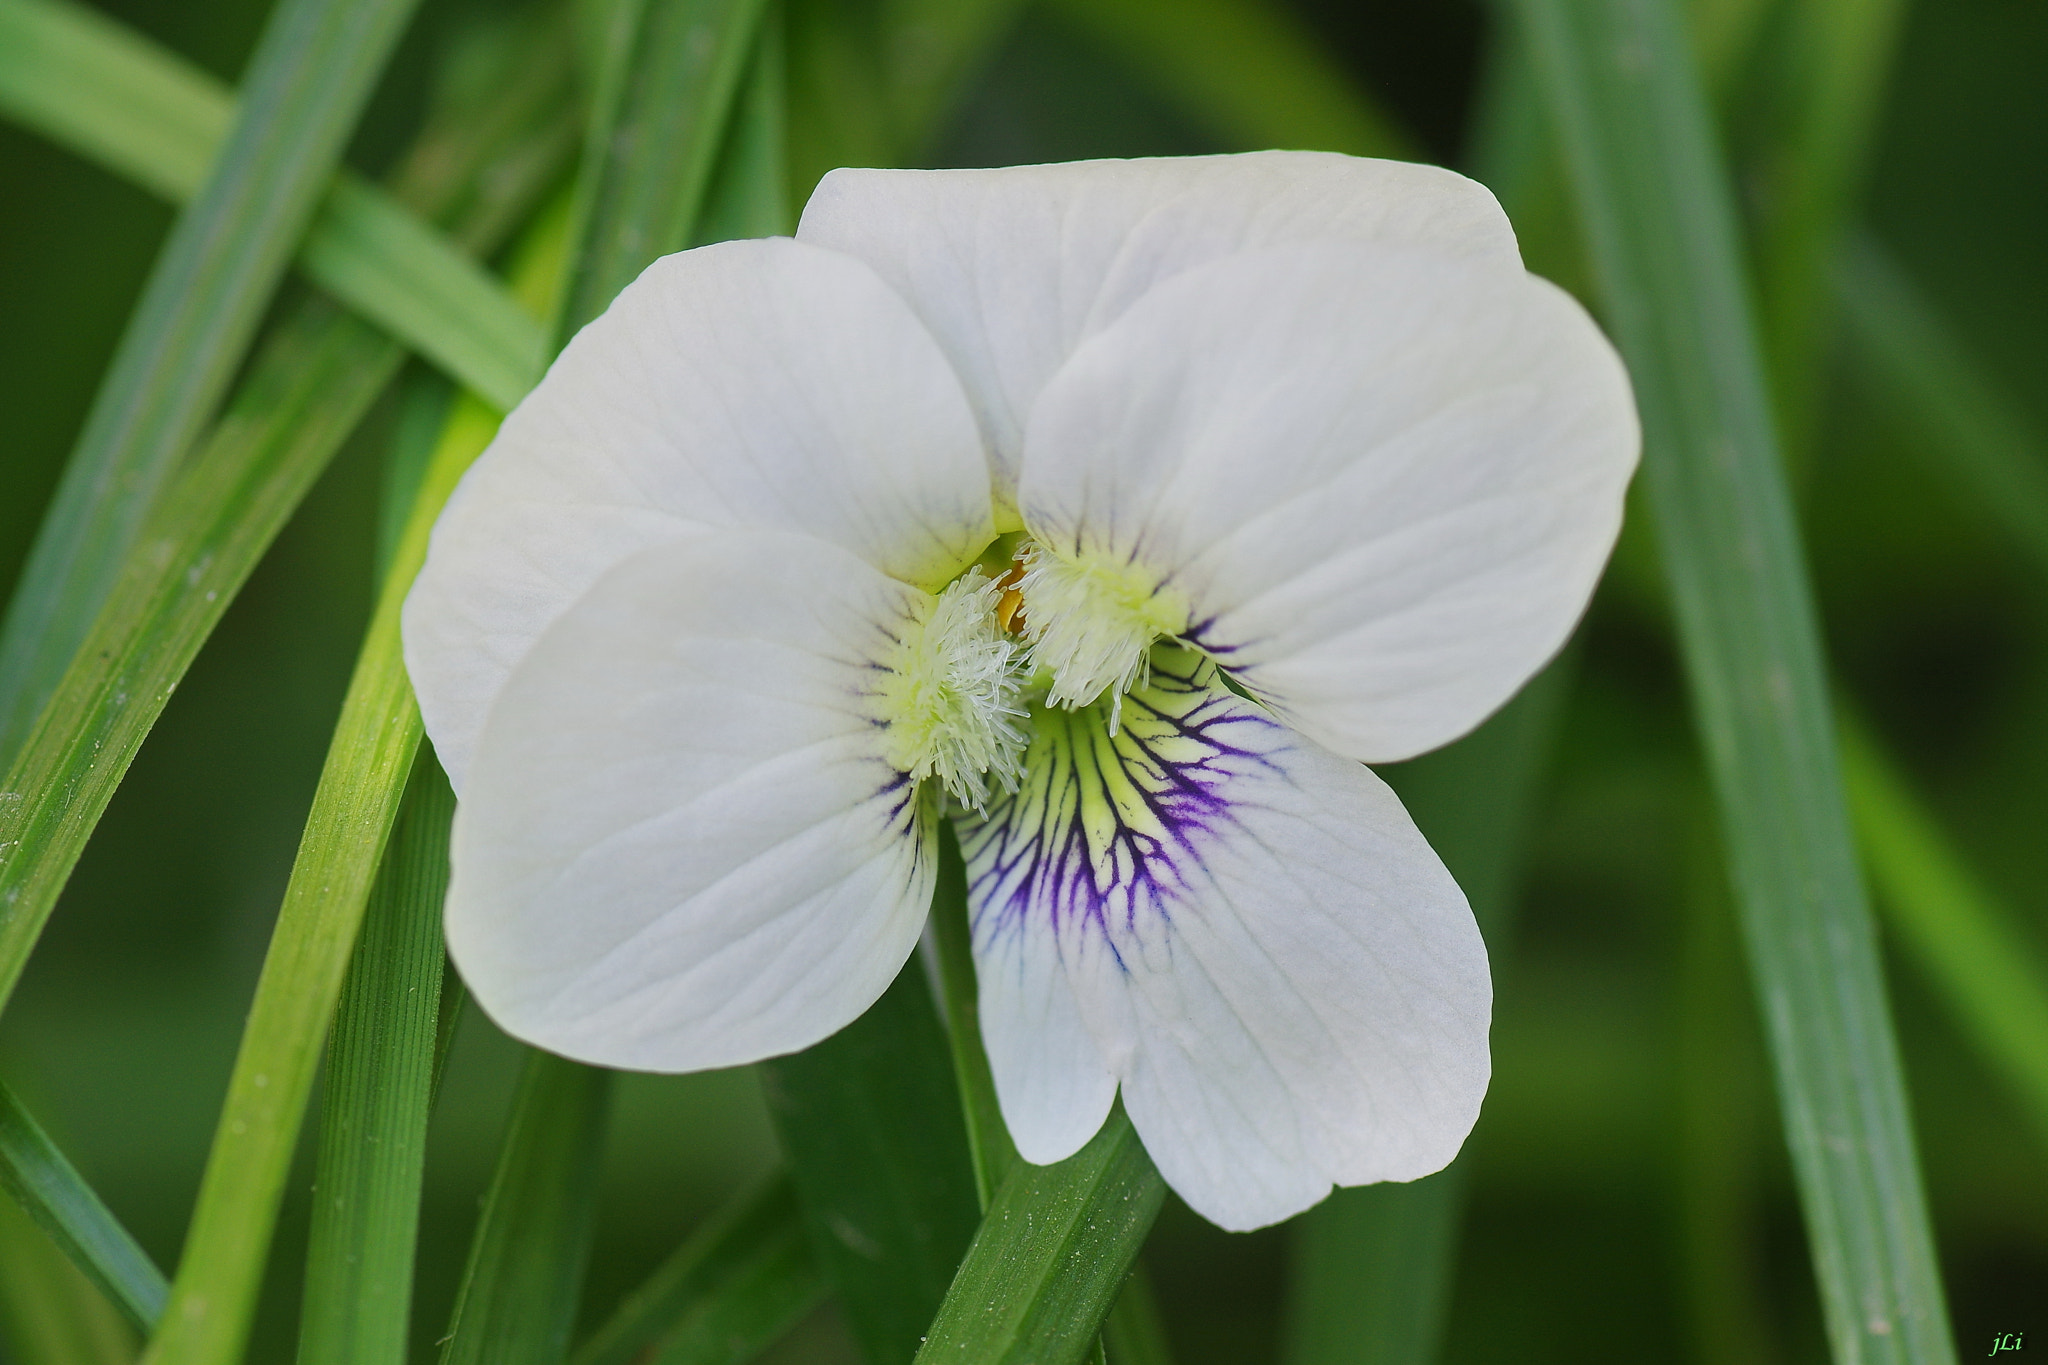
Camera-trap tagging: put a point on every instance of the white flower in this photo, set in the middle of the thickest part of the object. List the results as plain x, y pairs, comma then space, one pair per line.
702, 641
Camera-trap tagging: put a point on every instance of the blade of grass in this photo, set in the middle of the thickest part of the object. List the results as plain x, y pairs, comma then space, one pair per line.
1246, 69
1631, 116
314, 67
870, 1125
102, 90
1832, 61
749, 194
519, 1295
380, 1075
357, 799
674, 103
50, 1313
729, 1291
1050, 1256
145, 113
310, 383
52, 1192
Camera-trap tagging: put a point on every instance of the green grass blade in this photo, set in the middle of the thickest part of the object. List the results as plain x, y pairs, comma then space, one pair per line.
675, 99
749, 194
354, 806
1631, 116
988, 1138
1246, 69
380, 1075
732, 1289
1983, 444
1372, 1266
111, 95
1050, 1257
145, 113
1832, 62
870, 1125
313, 69
1952, 927
519, 1295
56, 1196
402, 275
50, 1313
306, 389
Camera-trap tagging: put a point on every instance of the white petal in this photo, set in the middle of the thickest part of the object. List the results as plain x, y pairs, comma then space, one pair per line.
1386, 481
679, 847
1285, 979
1051, 1079
748, 384
1013, 268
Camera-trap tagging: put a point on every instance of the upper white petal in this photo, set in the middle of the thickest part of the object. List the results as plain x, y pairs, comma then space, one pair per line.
1386, 481
1013, 268
1279, 970
749, 384
679, 847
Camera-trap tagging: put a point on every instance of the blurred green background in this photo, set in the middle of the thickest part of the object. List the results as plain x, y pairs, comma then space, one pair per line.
1630, 1198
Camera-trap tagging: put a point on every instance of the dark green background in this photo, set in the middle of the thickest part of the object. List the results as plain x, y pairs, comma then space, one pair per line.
1629, 1132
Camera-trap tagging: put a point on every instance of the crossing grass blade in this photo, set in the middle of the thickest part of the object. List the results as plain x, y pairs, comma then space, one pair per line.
1632, 119
308, 386
1832, 60
380, 1079
93, 85
1245, 69
728, 1292
520, 1293
145, 113
1050, 1257
314, 67
642, 198
354, 805
52, 1192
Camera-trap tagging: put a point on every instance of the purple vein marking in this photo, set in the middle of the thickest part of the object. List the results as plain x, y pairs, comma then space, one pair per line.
1107, 832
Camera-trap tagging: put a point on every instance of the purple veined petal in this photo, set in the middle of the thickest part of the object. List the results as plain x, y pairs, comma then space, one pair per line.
1250, 937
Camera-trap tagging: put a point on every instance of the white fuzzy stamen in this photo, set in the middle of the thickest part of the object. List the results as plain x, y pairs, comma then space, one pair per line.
1092, 623
952, 695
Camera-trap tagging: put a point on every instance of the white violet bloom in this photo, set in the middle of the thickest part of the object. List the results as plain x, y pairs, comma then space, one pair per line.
1119, 512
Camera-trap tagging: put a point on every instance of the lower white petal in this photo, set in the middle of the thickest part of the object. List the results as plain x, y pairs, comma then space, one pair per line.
1054, 1086
1265, 952
679, 847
